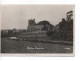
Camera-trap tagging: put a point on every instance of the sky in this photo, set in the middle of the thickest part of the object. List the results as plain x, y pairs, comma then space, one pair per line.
17, 16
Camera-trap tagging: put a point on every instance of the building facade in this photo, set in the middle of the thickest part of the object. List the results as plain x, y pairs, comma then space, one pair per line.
34, 32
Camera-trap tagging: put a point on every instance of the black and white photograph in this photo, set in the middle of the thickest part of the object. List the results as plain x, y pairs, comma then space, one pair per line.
37, 29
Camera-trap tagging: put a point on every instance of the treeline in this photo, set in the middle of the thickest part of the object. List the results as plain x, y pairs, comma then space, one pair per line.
10, 33
47, 25
64, 30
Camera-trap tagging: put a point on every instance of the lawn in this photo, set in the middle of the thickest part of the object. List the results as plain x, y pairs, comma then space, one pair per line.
14, 46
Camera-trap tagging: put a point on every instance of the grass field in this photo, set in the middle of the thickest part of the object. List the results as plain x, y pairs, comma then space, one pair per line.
14, 46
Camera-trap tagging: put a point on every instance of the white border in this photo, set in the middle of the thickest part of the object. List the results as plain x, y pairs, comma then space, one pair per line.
38, 2
77, 30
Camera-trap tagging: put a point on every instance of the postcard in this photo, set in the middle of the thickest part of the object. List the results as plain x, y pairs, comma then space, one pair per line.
37, 30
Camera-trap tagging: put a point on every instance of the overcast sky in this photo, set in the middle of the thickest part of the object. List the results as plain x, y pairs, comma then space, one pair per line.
17, 16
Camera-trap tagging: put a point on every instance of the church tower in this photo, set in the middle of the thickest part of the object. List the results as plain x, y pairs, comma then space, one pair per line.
31, 22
